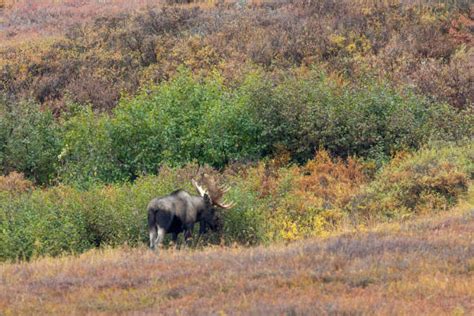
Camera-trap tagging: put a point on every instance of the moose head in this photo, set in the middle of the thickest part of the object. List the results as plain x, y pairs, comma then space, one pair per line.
212, 197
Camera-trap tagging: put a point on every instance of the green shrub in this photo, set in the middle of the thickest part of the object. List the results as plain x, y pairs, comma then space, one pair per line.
429, 180
189, 119
304, 113
87, 154
30, 141
39, 224
247, 222
16, 240
201, 119
181, 121
175, 123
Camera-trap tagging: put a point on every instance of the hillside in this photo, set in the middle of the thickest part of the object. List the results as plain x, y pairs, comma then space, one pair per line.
92, 52
421, 267
342, 132
108, 91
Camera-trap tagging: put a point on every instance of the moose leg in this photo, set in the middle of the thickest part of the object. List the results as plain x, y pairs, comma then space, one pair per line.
160, 236
153, 236
202, 227
202, 230
188, 234
174, 239
187, 238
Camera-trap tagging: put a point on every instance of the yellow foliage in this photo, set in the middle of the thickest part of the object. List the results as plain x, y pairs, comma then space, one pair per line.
351, 48
289, 231
337, 39
367, 10
428, 18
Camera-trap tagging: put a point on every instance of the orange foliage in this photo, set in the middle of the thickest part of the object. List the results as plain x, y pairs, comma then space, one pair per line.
331, 182
306, 200
15, 182
461, 30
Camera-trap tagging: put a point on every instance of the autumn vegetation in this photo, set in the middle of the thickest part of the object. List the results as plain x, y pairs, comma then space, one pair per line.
344, 130
423, 266
91, 53
275, 201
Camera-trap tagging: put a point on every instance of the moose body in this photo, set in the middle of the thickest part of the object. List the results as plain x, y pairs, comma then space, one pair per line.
179, 212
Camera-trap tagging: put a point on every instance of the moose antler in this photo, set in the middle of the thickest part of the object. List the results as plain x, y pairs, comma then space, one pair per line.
225, 205
200, 190
217, 192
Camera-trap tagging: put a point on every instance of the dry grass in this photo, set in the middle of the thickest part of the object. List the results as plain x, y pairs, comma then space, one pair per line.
27, 20
425, 266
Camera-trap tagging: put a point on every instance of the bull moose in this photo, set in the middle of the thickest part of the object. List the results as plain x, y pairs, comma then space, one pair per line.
180, 211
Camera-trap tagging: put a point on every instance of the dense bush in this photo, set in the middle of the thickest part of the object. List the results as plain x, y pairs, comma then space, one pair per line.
87, 151
180, 121
63, 219
201, 119
38, 224
373, 120
274, 201
432, 179
30, 141
190, 119
185, 120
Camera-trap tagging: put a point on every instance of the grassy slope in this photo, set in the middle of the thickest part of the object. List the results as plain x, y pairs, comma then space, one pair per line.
423, 266
26, 20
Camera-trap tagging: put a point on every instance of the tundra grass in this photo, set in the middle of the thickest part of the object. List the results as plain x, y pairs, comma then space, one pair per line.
421, 266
